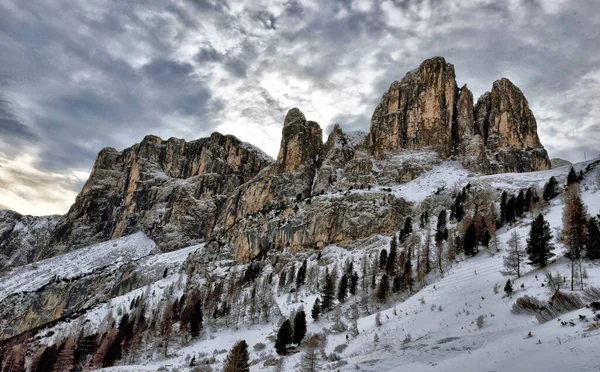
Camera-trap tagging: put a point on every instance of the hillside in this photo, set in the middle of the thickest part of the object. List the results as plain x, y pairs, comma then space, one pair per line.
433, 327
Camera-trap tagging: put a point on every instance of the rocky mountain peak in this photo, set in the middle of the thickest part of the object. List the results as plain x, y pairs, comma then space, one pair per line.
426, 110
301, 141
416, 112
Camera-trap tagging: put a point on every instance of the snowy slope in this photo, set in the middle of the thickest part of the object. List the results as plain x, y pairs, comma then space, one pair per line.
76, 263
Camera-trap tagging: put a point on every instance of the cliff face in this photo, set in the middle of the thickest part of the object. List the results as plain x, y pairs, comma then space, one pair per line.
427, 110
171, 190
416, 112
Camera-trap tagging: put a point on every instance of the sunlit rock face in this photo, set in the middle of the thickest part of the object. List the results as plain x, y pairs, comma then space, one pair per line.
171, 190
426, 109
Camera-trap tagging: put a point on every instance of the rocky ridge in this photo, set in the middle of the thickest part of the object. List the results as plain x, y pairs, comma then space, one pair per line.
229, 194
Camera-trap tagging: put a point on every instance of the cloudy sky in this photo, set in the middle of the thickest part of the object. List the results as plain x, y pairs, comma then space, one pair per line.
79, 75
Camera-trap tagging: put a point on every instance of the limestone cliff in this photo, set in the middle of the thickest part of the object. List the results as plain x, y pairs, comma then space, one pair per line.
171, 190
426, 109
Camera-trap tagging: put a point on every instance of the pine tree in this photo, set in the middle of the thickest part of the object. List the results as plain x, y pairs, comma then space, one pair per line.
572, 177
539, 242
470, 240
309, 362
592, 246
383, 255
343, 288
485, 240
511, 208
520, 204
383, 288
575, 229
551, 189
301, 276
516, 255
407, 229
284, 337
328, 293
391, 259
299, 327
196, 318
441, 232
503, 201
508, 288
238, 358
353, 283
316, 309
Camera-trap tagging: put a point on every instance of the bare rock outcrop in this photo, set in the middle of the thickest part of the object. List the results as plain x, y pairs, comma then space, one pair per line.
426, 110
417, 111
171, 190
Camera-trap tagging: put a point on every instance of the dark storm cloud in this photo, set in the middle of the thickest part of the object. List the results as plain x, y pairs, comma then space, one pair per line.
79, 75
11, 126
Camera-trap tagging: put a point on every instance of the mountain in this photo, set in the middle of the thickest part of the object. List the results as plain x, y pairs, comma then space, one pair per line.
221, 190
166, 230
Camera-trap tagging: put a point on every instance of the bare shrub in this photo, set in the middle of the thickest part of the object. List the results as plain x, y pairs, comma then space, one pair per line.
259, 346
591, 294
480, 321
527, 305
340, 348
560, 303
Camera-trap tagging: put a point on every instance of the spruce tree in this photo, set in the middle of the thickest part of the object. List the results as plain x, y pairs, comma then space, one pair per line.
284, 337
592, 246
383, 289
441, 232
353, 283
390, 266
508, 288
539, 242
196, 318
551, 189
511, 207
383, 258
316, 309
328, 293
301, 276
238, 358
299, 327
503, 201
407, 226
572, 177
520, 204
343, 288
470, 240
485, 240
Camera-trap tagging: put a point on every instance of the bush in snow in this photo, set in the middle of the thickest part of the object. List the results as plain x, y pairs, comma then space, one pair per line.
340, 348
527, 305
560, 303
480, 321
591, 294
259, 346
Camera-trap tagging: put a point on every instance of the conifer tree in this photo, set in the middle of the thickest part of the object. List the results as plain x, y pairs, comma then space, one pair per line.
299, 327
342, 293
353, 283
539, 242
508, 288
592, 246
485, 239
196, 318
503, 201
407, 229
511, 207
383, 288
309, 362
328, 293
551, 189
515, 259
572, 177
383, 255
316, 309
284, 337
520, 204
238, 358
441, 232
470, 240
575, 230
301, 276
391, 259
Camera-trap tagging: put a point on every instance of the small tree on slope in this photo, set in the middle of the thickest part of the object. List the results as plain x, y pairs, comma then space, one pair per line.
284, 337
299, 327
539, 242
515, 259
238, 358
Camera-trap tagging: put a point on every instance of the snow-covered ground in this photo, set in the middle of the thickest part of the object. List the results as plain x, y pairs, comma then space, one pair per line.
435, 329
76, 263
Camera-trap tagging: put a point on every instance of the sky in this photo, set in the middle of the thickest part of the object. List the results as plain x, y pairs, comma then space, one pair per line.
80, 75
